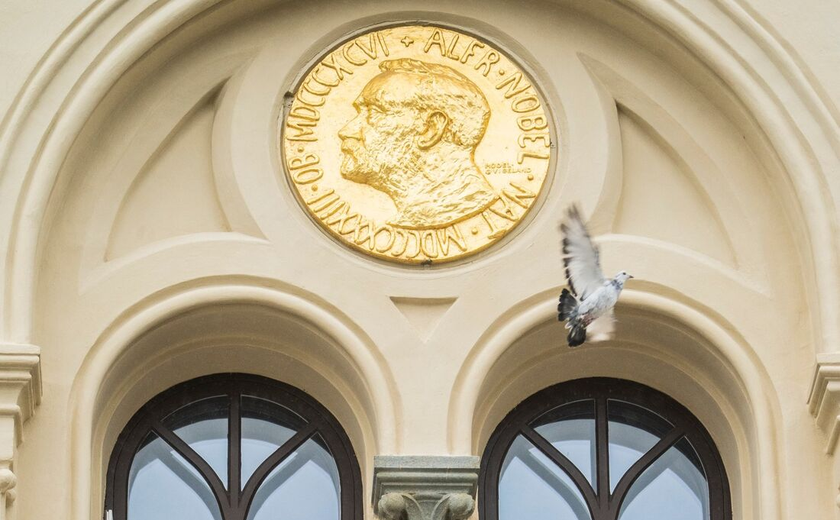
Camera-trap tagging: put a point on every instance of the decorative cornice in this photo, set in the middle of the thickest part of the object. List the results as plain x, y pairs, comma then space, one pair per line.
424, 487
824, 398
20, 383
20, 394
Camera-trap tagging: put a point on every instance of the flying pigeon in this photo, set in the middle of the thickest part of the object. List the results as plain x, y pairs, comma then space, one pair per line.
590, 303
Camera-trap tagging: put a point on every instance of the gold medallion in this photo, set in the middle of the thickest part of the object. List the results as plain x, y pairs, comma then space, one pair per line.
417, 144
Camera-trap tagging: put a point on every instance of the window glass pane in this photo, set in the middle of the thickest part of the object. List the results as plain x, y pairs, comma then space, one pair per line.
265, 427
304, 485
571, 429
163, 485
204, 426
531, 486
633, 431
673, 487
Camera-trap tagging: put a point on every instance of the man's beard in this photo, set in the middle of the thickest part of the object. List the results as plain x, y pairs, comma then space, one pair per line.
355, 162
384, 172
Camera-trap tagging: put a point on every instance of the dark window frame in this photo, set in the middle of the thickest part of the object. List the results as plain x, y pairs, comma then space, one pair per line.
234, 505
602, 504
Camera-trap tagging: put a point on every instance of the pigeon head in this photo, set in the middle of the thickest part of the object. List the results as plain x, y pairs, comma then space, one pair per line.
622, 277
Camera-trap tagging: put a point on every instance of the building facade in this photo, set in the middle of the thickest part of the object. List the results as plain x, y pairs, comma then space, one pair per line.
161, 221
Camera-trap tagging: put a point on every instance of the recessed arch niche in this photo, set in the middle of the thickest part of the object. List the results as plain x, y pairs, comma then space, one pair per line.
235, 329
665, 344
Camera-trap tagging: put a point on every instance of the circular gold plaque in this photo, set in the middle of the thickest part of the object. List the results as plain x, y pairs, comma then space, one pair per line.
417, 144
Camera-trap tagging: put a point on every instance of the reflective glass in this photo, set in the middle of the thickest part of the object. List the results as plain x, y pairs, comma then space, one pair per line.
571, 429
265, 427
304, 486
204, 426
531, 486
163, 485
633, 431
673, 487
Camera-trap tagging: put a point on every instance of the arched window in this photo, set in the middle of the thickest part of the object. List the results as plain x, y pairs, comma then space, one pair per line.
602, 449
233, 447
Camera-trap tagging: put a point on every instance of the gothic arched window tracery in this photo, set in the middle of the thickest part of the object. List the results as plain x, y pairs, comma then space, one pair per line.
602, 449
233, 447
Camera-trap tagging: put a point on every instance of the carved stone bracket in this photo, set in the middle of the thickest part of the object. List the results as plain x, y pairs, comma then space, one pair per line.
20, 394
824, 400
424, 488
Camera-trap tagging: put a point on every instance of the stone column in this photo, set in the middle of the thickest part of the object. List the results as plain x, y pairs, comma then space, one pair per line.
424, 487
20, 393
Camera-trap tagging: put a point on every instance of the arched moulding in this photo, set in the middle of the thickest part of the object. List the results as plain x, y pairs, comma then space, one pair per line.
800, 132
714, 193
154, 148
673, 345
214, 326
793, 122
589, 141
42, 126
34, 165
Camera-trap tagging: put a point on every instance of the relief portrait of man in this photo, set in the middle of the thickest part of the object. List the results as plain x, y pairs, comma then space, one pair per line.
414, 138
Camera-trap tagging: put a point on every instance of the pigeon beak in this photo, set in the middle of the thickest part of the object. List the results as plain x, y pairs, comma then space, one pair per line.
630, 276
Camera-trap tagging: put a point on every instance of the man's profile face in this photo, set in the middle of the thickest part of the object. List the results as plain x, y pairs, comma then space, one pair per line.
382, 136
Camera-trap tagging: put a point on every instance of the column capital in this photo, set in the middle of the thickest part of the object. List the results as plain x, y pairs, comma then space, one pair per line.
824, 398
425, 487
20, 385
20, 394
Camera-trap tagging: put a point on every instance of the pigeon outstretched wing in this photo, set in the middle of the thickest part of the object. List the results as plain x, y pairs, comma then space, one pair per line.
580, 256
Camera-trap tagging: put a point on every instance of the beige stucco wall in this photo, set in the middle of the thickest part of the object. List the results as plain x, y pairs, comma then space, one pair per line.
150, 236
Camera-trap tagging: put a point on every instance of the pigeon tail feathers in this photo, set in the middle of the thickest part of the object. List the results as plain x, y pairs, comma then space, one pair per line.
577, 335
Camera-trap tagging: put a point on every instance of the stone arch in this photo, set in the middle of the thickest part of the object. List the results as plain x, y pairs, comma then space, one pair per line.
194, 331
787, 118
764, 86
664, 342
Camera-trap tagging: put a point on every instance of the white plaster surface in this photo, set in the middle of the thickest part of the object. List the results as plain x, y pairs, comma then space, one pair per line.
700, 136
